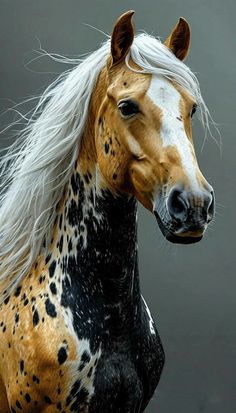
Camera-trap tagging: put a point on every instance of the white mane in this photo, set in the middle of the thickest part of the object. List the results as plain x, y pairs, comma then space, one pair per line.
34, 173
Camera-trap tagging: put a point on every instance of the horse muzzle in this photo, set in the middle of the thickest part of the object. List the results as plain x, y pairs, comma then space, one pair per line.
183, 216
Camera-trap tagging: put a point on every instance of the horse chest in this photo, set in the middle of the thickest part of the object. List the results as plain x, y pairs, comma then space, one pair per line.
127, 352
118, 388
127, 370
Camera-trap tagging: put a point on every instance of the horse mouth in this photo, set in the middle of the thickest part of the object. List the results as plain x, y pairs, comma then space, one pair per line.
188, 237
176, 239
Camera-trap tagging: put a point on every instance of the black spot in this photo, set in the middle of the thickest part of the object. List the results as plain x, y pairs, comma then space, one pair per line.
26, 301
18, 291
114, 176
81, 366
27, 398
6, 300
86, 179
74, 184
106, 146
53, 288
52, 268
62, 355
18, 405
61, 244
47, 259
47, 400
60, 222
17, 317
22, 364
90, 372
35, 318
50, 308
59, 406
85, 358
35, 379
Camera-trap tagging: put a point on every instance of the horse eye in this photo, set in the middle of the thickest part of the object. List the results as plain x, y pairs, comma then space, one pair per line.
194, 108
128, 108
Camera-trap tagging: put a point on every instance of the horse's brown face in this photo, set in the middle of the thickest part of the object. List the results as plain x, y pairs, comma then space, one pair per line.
144, 147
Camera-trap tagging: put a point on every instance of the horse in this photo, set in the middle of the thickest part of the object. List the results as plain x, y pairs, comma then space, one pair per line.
76, 335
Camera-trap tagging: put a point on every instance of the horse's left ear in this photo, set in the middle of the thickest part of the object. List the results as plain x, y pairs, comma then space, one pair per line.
122, 37
179, 39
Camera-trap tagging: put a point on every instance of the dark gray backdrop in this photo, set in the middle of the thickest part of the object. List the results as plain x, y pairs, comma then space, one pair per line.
190, 289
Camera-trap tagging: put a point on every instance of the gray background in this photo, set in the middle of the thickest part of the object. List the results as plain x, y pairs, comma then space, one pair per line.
190, 289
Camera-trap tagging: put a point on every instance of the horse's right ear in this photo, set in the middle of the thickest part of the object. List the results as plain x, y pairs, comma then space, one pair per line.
122, 37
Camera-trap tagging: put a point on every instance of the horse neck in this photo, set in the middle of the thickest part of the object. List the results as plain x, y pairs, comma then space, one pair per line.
96, 235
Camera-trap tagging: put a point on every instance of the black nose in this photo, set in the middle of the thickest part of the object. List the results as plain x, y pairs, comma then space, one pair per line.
184, 205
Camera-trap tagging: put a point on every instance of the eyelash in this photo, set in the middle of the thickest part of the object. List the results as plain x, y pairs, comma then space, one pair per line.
128, 108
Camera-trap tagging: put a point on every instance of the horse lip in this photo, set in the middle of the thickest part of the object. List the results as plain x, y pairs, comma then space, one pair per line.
186, 237
186, 240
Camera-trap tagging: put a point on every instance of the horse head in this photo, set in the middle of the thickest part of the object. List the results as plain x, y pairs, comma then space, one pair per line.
144, 139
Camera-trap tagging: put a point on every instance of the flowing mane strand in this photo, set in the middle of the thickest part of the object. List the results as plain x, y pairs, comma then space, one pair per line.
34, 173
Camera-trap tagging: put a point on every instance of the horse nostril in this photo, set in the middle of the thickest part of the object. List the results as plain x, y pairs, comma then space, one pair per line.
187, 206
211, 207
177, 205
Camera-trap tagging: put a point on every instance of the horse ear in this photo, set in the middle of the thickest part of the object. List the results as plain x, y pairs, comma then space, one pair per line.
122, 37
179, 39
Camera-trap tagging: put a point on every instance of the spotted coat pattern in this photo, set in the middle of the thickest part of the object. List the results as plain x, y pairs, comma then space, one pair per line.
75, 336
